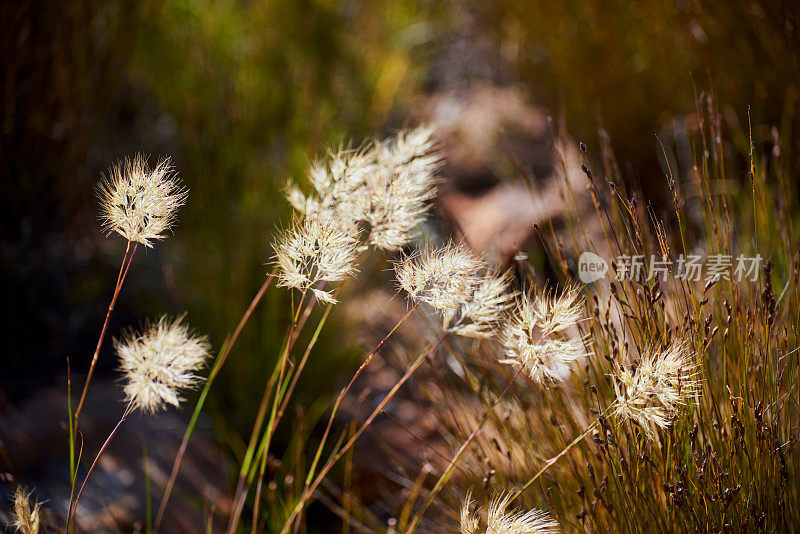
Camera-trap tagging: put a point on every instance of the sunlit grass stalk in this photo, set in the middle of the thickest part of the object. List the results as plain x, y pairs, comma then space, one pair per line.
127, 258
266, 439
311, 486
280, 388
555, 459
344, 392
73, 507
445, 476
257, 501
282, 398
280, 380
223, 355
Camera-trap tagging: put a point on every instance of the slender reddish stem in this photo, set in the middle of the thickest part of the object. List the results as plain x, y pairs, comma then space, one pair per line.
310, 488
445, 475
242, 486
123, 272
344, 392
74, 505
176, 466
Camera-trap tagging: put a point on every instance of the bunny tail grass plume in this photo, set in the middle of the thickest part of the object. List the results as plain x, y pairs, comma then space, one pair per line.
160, 362
336, 182
536, 337
26, 518
557, 313
480, 316
395, 198
316, 249
385, 186
140, 204
445, 277
502, 521
651, 393
470, 522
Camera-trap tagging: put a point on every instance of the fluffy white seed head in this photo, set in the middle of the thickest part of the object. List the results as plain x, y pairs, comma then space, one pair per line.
500, 520
160, 362
445, 277
337, 183
503, 521
316, 250
386, 186
480, 316
302, 204
470, 522
662, 382
26, 518
138, 203
395, 197
556, 313
536, 336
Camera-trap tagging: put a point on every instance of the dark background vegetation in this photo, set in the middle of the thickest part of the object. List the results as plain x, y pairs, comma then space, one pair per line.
242, 94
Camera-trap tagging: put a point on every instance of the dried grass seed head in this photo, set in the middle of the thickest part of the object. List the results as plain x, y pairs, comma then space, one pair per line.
395, 198
470, 521
662, 382
536, 335
444, 277
386, 185
138, 203
316, 249
160, 362
500, 520
336, 181
26, 518
480, 316
556, 313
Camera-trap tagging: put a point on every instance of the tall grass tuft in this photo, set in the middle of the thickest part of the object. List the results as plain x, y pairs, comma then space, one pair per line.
648, 399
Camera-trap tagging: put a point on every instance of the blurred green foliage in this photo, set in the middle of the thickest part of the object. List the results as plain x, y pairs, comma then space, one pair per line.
243, 93
254, 90
632, 67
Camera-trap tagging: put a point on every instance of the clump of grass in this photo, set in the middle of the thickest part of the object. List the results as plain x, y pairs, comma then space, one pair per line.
677, 407
633, 403
370, 198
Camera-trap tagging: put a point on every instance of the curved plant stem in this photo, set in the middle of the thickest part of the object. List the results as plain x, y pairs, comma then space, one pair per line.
265, 440
123, 272
446, 474
280, 388
282, 395
262, 469
223, 355
344, 392
303, 360
74, 504
312, 486
554, 459
127, 258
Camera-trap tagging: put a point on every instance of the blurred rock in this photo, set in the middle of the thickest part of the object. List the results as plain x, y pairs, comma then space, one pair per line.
504, 170
484, 127
497, 223
34, 450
